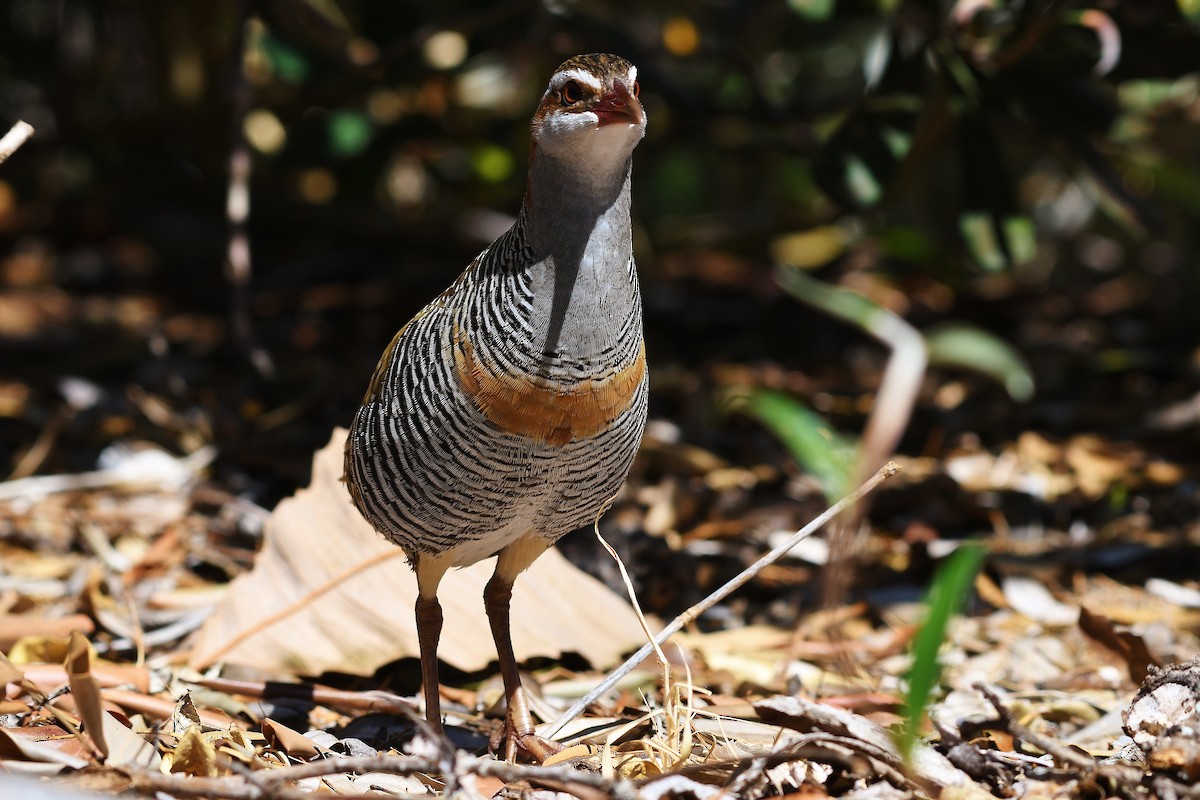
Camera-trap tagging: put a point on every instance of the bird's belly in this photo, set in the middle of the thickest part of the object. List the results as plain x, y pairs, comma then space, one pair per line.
437, 477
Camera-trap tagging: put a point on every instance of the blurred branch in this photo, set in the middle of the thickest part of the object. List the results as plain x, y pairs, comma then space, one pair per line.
17, 135
238, 264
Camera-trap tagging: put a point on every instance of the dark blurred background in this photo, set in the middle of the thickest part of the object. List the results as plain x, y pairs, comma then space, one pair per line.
1031, 167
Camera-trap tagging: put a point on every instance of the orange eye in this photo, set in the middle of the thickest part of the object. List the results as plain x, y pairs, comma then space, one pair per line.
572, 93
637, 88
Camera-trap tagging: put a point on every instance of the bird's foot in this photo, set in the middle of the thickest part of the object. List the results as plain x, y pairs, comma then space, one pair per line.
530, 744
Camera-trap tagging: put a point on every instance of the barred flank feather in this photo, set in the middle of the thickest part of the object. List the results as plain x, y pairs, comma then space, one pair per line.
474, 432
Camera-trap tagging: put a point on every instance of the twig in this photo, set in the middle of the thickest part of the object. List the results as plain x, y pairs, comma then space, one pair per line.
1058, 751
744, 577
17, 135
1125, 777
371, 701
271, 783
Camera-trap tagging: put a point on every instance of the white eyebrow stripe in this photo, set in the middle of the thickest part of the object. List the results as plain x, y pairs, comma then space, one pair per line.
586, 78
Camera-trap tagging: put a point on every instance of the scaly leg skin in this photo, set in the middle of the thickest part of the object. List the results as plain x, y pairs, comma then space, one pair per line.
429, 630
430, 570
497, 597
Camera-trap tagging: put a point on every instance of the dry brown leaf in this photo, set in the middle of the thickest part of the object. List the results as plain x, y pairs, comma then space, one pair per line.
194, 755
44, 743
38, 648
126, 748
86, 690
8, 671
328, 593
1128, 646
292, 742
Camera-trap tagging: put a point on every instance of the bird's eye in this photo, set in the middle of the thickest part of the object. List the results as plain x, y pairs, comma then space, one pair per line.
637, 88
572, 93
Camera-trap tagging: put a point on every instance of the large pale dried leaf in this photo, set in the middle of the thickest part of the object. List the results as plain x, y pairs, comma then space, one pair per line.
328, 593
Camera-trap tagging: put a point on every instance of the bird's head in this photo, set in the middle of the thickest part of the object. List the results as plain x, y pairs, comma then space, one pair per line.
590, 115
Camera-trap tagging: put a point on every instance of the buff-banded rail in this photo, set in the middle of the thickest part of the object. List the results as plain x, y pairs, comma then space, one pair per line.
508, 411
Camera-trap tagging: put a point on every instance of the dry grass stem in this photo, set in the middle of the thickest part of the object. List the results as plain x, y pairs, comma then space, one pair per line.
745, 576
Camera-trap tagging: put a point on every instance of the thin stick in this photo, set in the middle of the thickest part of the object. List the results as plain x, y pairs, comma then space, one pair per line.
744, 577
17, 135
265, 784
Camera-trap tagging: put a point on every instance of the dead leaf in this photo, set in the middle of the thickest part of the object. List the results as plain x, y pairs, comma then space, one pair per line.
9, 672
486, 786
194, 755
869, 739
126, 748
294, 743
45, 743
38, 648
1129, 647
1033, 600
328, 593
86, 690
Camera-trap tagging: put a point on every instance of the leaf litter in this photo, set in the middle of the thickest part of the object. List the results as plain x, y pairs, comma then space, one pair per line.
131, 669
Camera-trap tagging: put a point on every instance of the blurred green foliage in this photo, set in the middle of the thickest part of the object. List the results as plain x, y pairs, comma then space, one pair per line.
984, 127
927, 144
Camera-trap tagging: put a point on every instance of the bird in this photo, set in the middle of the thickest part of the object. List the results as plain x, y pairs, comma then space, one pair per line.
509, 410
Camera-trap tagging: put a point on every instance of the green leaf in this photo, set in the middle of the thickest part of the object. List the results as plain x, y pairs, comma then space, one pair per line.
286, 62
909, 245
349, 132
957, 344
811, 248
823, 452
833, 300
492, 163
996, 233
864, 185
680, 181
863, 152
996, 242
814, 10
949, 592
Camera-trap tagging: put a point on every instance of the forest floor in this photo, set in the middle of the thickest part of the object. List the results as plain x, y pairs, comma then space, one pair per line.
218, 640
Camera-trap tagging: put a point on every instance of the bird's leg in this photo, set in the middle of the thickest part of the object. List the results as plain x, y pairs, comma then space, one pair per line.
430, 570
497, 597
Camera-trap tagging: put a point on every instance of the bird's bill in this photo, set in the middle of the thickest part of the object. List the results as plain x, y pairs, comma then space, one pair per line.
619, 106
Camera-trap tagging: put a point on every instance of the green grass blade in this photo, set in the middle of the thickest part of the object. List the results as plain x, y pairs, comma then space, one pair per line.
947, 595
